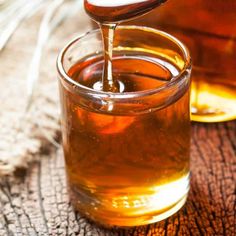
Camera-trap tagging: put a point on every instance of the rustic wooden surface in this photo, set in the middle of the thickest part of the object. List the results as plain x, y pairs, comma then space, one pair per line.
35, 202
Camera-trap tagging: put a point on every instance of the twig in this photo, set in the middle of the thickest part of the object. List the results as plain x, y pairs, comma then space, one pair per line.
22, 13
52, 18
43, 35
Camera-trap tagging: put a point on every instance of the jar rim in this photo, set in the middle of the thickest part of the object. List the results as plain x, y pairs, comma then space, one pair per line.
124, 95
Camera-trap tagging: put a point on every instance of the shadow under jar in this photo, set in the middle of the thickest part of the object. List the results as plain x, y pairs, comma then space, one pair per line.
127, 153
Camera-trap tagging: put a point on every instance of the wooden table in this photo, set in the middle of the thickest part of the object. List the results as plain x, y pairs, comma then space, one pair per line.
36, 202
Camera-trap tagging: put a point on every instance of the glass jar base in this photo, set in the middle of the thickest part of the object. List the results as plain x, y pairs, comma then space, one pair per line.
212, 118
128, 210
211, 102
210, 114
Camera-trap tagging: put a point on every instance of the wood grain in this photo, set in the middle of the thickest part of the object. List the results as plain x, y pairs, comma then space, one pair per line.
35, 202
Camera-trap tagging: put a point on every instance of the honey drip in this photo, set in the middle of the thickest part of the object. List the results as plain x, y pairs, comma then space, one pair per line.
108, 14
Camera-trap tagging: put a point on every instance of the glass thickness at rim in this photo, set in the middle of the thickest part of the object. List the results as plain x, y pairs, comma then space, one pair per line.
172, 83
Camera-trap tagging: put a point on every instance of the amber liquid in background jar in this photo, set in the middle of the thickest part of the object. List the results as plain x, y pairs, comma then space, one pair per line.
208, 28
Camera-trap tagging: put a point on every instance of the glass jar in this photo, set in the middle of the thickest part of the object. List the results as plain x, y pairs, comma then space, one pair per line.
208, 28
126, 154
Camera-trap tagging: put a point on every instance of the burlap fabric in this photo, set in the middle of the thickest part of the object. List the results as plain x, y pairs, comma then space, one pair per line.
23, 135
